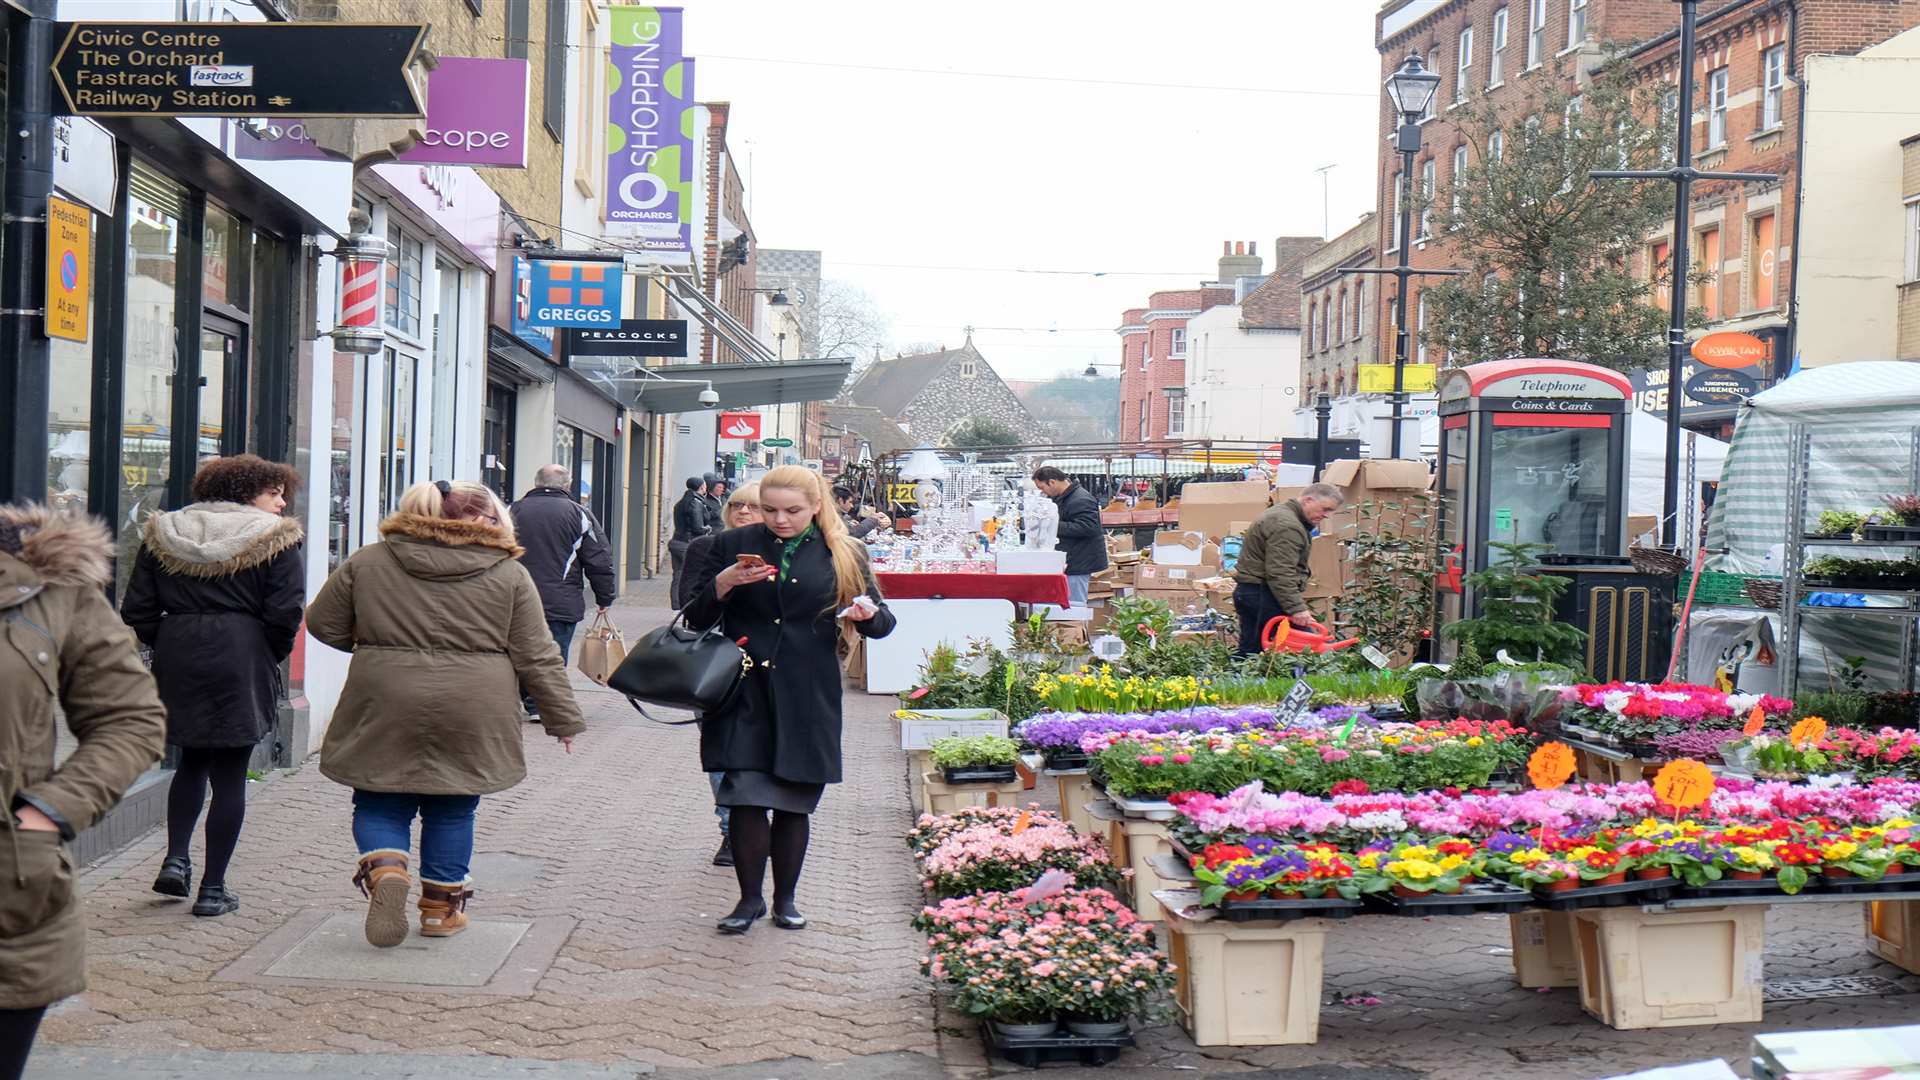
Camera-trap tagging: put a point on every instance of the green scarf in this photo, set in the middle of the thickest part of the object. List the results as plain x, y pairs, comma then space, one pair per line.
788, 547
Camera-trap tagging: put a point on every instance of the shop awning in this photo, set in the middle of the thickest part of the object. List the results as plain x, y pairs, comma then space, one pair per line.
675, 388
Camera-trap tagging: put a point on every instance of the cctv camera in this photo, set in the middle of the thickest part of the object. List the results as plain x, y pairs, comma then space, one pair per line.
709, 399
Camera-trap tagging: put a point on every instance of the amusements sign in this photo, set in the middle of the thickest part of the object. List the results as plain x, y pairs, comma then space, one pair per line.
650, 137
236, 69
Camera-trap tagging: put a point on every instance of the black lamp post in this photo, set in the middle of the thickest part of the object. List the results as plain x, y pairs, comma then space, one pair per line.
1411, 89
1682, 174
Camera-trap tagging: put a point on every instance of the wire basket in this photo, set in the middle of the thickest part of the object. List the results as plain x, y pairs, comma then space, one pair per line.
1766, 592
1652, 560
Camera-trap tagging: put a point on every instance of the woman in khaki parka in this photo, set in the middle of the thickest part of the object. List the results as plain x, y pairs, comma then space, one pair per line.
62, 647
443, 623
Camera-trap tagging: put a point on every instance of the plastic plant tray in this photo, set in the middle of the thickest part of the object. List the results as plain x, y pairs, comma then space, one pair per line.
980, 774
1067, 761
1332, 907
1481, 897
1597, 896
1060, 1048
1150, 809
1747, 887
1888, 883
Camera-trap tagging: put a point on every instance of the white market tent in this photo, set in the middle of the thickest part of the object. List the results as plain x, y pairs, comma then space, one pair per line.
1862, 421
1647, 468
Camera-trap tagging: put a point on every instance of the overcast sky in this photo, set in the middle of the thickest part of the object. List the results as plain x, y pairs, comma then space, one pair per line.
901, 176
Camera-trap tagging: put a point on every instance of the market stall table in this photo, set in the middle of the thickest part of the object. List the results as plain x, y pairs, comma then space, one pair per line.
1019, 588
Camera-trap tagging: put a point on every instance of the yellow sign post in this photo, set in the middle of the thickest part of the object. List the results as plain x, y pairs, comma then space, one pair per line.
1378, 378
69, 269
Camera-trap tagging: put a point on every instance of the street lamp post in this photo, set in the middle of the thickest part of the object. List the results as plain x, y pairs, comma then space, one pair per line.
1682, 174
1411, 89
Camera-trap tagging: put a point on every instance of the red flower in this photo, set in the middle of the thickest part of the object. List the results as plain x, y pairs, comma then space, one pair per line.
1796, 855
1602, 860
1220, 854
1351, 787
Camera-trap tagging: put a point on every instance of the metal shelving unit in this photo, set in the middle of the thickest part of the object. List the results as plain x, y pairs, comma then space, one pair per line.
1794, 589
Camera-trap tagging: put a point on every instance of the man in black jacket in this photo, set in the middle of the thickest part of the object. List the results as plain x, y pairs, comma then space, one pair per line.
1081, 535
716, 497
563, 543
689, 522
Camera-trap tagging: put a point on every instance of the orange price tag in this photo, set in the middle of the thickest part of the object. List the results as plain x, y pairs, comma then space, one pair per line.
1020, 824
1755, 721
1550, 766
1683, 783
1808, 733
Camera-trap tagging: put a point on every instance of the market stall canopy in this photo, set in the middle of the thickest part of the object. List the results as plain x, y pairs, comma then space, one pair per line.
676, 388
1647, 467
1871, 389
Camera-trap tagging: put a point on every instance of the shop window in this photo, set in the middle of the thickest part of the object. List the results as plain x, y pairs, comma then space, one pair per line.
70, 412
1762, 259
347, 388
497, 438
446, 371
1708, 296
566, 439
396, 428
154, 209
403, 281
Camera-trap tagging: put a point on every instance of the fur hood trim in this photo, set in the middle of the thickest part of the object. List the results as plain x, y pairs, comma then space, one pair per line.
218, 539
451, 532
64, 549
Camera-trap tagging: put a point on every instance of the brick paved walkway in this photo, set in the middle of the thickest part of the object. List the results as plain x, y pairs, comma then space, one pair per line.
617, 839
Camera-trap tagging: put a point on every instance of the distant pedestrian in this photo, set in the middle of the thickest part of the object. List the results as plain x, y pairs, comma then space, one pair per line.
1275, 563
778, 742
689, 524
563, 544
70, 658
217, 591
444, 625
743, 509
847, 501
1081, 535
716, 497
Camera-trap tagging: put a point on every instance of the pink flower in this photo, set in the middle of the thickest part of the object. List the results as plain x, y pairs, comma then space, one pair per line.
1182, 759
1045, 968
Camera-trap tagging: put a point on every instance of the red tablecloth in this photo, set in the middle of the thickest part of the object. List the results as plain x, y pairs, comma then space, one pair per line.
1019, 588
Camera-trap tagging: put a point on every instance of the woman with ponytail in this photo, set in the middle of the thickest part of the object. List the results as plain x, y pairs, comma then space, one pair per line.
780, 588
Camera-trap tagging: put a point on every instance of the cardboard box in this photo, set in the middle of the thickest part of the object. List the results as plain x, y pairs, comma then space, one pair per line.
1178, 548
1379, 480
1211, 509
1178, 599
919, 728
1327, 573
1119, 543
1156, 576
1643, 529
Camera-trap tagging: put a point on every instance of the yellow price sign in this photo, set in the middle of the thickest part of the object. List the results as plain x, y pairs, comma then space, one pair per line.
1683, 783
1550, 766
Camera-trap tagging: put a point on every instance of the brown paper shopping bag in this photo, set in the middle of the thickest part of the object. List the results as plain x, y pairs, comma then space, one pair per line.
601, 650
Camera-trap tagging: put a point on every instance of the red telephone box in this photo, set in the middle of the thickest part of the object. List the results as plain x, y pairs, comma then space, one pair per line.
1531, 451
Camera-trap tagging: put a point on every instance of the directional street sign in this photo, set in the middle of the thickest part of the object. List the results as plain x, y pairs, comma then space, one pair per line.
780, 444
236, 69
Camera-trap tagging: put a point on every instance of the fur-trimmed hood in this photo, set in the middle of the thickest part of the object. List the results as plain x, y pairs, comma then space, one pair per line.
62, 549
215, 539
441, 549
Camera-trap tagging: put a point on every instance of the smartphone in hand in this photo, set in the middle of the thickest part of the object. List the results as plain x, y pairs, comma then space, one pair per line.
751, 561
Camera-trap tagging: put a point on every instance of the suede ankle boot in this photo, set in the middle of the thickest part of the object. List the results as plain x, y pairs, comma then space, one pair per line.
384, 881
443, 908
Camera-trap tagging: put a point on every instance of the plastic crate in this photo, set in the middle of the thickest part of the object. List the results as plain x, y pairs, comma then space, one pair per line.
1245, 984
1133, 842
1664, 969
1543, 950
1717, 587
1893, 932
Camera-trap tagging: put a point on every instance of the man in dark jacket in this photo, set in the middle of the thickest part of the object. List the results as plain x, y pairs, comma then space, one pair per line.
716, 498
563, 542
689, 522
1273, 571
848, 501
1081, 536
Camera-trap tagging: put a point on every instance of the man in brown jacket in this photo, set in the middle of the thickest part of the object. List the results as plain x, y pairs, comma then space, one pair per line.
1273, 569
63, 649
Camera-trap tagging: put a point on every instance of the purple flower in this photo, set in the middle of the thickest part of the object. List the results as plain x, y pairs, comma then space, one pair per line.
1505, 843
1063, 731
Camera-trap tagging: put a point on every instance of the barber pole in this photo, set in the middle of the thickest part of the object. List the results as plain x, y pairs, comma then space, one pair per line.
361, 257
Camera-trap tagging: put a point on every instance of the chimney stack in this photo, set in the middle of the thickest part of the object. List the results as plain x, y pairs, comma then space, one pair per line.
1237, 260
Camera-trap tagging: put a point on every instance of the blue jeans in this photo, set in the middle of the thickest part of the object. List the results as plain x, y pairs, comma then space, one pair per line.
383, 821
1077, 585
562, 636
724, 813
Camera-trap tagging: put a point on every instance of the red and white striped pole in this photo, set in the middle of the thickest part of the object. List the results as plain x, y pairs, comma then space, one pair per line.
361, 256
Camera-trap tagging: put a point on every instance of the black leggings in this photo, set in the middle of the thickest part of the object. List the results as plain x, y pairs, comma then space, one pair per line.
17, 1027
755, 841
226, 769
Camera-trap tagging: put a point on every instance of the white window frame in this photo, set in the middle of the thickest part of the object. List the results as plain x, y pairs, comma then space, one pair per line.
1913, 239
1576, 23
1177, 342
1428, 114
1459, 166
1463, 76
1497, 146
1717, 108
1773, 81
1496, 61
1669, 118
1176, 412
1393, 224
1428, 175
1536, 33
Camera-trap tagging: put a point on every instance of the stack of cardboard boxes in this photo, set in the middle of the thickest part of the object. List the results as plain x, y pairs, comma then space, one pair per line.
1183, 572
1396, 486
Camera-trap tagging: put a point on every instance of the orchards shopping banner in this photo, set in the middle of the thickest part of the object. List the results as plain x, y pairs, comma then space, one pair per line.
650, 129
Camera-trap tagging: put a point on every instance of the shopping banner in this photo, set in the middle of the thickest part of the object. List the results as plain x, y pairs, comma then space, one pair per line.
650, 132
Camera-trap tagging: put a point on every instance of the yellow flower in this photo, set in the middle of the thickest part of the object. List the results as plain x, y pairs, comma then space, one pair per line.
1839, 849
1475, 740
1368, 860
1451, 862
1390, 740
1415, 851
1527, 857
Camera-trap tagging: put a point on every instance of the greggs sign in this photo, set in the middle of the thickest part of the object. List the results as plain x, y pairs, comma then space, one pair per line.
1729, 349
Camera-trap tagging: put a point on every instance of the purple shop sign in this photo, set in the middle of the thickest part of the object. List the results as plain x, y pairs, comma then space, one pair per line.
650, 139
476, 114
455, 199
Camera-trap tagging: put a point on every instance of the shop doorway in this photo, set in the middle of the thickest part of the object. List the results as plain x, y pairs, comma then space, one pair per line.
223, 388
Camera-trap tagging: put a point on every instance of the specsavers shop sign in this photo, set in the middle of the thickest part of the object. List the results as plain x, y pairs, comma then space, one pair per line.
650, 138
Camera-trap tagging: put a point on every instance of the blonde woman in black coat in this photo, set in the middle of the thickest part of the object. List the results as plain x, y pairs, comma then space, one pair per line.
780, 586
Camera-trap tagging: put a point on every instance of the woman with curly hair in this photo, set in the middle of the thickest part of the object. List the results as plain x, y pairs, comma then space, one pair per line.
217, 592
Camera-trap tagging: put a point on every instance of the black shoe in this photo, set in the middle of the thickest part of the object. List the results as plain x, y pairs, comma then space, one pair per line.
215, 900
533, 711
743, 917
176, 877
787, 917
724, 857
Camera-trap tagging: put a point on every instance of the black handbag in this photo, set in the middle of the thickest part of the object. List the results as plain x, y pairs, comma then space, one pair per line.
682, 668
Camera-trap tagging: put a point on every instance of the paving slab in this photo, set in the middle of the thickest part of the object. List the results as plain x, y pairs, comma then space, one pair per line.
134, 1065
337, 949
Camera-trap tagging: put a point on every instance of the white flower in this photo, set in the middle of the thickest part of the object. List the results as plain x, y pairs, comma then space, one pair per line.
1741, 704
1615, 700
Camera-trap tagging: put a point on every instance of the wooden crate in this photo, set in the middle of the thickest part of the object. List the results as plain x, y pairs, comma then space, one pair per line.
1893, 932
940, 797
1248, 984
1672, 968
1543, 949
1075, 794
1133, 842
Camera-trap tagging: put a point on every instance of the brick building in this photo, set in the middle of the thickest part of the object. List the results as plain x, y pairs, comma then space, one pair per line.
1338, 329
1748, 64
727, 279
1153, 346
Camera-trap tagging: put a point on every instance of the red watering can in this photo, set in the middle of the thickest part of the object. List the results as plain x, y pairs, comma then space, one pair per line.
1280, 635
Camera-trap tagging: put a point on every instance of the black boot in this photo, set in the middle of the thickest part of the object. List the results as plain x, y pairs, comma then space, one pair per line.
724, 857
176, 877
215, 900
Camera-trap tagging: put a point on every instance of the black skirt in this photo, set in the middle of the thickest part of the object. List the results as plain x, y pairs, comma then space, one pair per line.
743, 787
